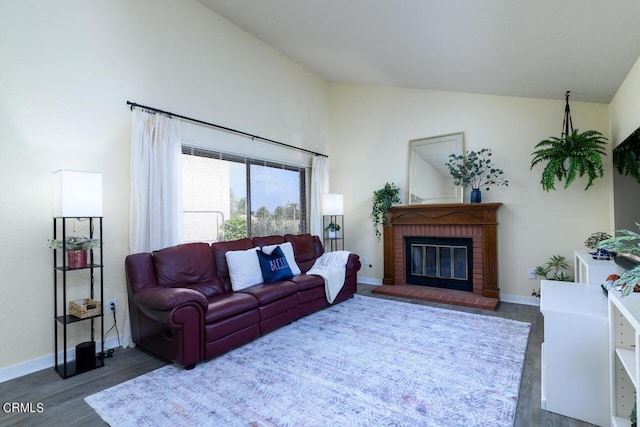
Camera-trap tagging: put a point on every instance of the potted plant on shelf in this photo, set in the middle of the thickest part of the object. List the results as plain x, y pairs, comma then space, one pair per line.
333, 229
592, 243
76, 248
628, 243
382, 200
475, 170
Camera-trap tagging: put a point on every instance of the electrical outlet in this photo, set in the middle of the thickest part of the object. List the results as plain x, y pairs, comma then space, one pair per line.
112, 305
365, 260
531, 273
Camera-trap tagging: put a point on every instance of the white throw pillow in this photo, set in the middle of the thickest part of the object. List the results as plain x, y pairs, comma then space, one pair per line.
287, 249
244, 268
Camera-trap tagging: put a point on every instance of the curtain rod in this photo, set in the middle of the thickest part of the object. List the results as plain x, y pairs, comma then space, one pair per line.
224, 128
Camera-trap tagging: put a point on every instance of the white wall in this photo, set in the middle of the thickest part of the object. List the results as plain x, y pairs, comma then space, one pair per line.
68, 68
370, 132
625, 107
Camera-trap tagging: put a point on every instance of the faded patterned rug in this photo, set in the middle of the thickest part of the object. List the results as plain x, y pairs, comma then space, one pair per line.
364, 362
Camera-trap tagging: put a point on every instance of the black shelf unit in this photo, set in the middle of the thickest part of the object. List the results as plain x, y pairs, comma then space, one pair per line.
333, 241
62, 319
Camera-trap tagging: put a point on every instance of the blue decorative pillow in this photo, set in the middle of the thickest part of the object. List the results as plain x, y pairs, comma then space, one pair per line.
274, 266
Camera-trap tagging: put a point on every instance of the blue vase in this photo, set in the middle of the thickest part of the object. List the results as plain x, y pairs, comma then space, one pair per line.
476, 196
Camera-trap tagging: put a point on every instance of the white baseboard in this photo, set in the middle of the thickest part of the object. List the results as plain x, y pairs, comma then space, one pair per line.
369, 280
519, 299
45, 362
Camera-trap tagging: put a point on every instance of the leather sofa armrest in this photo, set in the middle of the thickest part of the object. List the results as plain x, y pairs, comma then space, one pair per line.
165, 299
353, 264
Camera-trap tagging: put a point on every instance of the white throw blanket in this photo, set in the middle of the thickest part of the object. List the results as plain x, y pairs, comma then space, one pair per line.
331, 266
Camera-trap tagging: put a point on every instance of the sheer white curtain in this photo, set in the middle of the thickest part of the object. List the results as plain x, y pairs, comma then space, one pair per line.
155, 220
155, 217
319, 187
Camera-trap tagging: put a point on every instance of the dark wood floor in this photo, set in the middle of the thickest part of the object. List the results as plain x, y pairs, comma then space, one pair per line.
63, 400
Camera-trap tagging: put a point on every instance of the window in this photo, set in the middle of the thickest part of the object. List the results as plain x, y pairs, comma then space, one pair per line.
219, 189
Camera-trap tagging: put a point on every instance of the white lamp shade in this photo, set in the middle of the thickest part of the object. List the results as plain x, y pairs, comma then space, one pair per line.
77, 194
332, 204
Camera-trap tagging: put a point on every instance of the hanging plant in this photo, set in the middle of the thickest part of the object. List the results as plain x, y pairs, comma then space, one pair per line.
382, 200
573, 155
626, 156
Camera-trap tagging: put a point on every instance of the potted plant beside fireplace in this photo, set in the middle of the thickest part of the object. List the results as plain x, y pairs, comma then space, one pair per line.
76, 248
382, 200
475, 170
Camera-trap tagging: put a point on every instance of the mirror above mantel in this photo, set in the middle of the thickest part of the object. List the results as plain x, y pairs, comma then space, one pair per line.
429, 177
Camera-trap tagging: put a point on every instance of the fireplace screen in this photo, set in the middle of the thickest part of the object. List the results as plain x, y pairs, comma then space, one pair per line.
443, 261
440, 262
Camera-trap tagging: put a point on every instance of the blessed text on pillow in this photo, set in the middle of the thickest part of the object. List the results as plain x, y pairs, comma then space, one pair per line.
274, 266
287, 249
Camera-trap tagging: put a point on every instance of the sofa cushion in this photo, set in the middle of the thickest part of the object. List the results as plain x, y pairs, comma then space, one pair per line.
244, 268
189, 265
267, 240
308, 281
302, 246
287, 249
274, 266
219, 249
305, 249
271, 292
227, 305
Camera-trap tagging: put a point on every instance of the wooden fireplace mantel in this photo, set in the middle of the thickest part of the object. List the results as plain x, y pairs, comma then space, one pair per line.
482, 215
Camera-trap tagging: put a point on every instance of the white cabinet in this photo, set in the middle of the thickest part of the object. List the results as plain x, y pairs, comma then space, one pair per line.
575, 352
624, 324
589, 270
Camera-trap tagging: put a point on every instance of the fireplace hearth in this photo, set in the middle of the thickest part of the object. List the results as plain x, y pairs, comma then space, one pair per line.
475, 223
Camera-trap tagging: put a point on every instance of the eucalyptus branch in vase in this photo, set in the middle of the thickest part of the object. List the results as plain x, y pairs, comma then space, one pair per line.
475, 170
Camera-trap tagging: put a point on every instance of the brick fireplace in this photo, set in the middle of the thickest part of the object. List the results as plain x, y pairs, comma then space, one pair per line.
475, 221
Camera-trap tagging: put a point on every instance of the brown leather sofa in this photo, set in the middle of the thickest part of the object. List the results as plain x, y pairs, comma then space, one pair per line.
182, 306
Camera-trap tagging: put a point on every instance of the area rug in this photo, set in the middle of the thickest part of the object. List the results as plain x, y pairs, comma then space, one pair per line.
364, 362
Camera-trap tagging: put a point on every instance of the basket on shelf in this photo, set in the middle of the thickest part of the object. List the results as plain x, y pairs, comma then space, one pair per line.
83, 308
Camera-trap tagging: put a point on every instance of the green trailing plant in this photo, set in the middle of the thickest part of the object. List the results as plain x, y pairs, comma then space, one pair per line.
626, 156
556, 268
628, 242
382, 200
573, 155
475, 170
74, 243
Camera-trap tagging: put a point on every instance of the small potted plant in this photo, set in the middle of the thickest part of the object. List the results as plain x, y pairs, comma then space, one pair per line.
592, 243
475, 170
382, 200
556, 268
76, 248
333, 229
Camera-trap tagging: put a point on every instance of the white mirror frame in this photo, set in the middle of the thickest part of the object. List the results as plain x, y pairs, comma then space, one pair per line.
429, 177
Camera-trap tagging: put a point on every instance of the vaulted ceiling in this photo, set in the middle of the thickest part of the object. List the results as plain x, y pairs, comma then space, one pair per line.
528, 48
